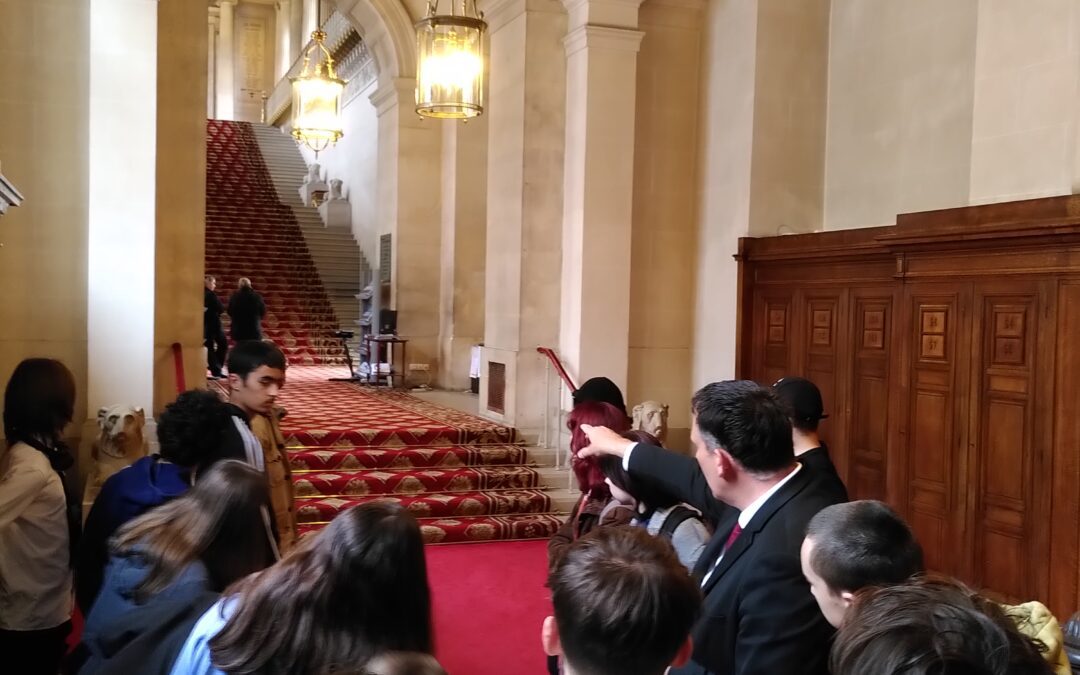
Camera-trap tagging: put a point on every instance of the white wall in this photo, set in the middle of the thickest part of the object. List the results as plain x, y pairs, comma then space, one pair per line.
353, 160
901, 89
1027, 68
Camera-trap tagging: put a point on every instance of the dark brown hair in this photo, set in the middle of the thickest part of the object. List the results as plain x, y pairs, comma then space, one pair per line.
357, 589
39, 400
931, 627
219, 523
746, 420
862, 543
624, 604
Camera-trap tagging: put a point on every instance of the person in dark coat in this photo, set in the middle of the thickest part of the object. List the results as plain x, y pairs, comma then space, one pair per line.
760, 616
246, 309
213, 336
191, 433
802, 399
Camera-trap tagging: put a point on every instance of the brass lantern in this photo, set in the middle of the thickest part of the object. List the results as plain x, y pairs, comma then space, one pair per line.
316, 107
450, 62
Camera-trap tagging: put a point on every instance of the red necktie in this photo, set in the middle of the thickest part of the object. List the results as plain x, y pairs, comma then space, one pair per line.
732, 537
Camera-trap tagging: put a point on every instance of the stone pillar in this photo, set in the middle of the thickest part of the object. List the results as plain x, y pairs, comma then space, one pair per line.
226, 68
526, 107
311, 20
297, 38
45, 153
601, 72
123, 175
407, 207
181, 199
464, 227
212, 20
283, 38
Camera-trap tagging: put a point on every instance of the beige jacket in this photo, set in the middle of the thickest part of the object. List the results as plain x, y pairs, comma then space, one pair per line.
278, 475
1035, 620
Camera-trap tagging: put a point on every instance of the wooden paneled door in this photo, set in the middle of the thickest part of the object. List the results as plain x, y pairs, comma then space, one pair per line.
930, 477
867, 400
1010, 438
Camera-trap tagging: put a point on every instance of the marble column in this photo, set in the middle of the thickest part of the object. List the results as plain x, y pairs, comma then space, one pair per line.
282, 38
122, 201
526, 106
464, 225
297, 38
601, 72
179, 242
311, 19
212, 21
225, 73
407, 208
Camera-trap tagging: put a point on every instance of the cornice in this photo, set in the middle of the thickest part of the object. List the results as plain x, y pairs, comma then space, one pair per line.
603, 37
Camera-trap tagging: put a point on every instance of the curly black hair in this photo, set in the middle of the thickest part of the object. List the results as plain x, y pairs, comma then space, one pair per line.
191, 428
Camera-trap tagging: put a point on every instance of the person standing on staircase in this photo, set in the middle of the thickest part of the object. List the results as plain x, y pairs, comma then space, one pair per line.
256, 376
246, 309
217, 347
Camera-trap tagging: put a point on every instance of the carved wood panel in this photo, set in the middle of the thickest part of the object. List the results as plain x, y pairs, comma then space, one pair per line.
872, 321
820, 363
935, 423
775, 356
1008, 443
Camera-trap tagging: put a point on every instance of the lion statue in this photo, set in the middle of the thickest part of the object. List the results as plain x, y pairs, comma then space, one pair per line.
652, 416
119, 443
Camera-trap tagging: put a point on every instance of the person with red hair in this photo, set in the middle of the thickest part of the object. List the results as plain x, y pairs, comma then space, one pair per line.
595, 507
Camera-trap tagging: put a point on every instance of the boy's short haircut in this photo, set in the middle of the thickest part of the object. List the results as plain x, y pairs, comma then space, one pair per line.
624, 604
250, 355
861, 544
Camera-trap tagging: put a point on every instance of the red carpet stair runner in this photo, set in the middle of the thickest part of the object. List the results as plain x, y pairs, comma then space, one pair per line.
249, 233
465, 478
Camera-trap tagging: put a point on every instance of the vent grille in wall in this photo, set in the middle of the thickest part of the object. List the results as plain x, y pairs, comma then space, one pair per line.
496, 387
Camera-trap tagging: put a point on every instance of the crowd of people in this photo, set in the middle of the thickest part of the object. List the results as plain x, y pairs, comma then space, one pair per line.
745, 559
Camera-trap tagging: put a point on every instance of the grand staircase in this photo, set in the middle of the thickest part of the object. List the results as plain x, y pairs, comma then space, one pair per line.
334, 250
250, 233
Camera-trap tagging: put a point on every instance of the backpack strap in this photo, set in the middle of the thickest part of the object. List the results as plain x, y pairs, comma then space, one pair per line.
675, 518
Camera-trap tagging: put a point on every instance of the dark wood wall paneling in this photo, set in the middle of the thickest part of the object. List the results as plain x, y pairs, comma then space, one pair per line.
947, 349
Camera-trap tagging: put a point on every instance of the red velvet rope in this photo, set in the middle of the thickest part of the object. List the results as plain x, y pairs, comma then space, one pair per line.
178, 363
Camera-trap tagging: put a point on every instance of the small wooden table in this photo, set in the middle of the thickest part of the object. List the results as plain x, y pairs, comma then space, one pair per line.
375, 345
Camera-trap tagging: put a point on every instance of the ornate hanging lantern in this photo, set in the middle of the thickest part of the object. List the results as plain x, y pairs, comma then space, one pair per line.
450, 62
316, 107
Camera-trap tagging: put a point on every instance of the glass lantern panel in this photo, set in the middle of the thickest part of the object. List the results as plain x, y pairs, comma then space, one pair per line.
451, 70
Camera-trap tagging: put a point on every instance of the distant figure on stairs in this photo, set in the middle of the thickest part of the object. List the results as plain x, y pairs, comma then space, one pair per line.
213, 336
246, 309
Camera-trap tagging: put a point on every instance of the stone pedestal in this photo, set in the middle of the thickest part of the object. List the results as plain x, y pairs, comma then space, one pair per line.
336, 213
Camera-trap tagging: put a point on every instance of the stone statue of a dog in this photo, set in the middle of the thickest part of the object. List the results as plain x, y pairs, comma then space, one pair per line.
120, 442
652, 416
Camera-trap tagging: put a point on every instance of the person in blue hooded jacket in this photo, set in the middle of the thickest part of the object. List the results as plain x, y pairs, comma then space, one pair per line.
168, 565
190, 432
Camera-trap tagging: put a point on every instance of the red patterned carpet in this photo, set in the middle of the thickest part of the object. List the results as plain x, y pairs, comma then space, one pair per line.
249, 233
465, 478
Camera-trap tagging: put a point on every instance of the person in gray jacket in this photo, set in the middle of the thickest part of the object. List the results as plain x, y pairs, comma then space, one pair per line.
657, 510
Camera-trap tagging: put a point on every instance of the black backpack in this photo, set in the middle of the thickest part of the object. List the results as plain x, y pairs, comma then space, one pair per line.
675, 518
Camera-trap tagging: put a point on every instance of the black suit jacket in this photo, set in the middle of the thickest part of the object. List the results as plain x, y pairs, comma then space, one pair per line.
759, 616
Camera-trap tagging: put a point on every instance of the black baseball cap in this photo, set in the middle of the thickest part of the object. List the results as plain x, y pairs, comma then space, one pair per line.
802, 398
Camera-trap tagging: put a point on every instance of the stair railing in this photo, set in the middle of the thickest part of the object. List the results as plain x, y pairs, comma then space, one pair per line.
553, 422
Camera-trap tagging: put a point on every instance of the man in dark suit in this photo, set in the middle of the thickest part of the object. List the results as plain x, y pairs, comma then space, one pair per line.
246, 309
213, 336
760, 617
